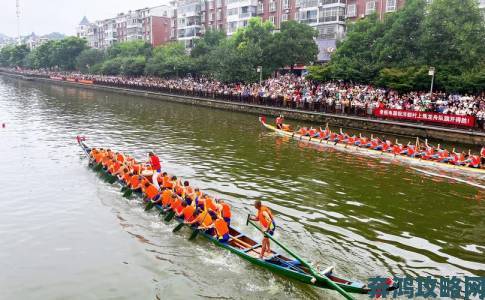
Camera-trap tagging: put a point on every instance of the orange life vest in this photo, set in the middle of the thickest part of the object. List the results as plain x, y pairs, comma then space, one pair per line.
166, 196
209, 204
265, 223
204, 218
136, 169
188, 213
135, 181
151, 191
221, 227
226, 210
175, 204
126, 178
167, 183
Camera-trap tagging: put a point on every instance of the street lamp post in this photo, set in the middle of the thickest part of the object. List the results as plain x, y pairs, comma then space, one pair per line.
431, 73
259, 69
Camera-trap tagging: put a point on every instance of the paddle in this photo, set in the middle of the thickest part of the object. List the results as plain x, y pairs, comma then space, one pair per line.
178, 227
169, 216
128, 193
194, 234
150, 205
304, 263
197, 230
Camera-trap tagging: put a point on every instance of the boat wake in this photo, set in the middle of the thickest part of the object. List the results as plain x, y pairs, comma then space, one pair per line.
451, 178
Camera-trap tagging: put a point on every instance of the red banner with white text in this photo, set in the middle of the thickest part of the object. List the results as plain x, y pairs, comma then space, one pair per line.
422, 116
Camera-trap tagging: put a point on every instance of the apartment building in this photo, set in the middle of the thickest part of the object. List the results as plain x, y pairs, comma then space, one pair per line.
238, 14
188, 21
152, 25
357, 9
213, 15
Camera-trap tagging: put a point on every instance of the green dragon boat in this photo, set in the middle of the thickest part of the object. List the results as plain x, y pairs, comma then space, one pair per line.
249, 249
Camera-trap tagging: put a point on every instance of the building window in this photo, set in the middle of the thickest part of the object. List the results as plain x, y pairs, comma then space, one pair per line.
260, 7
309, 16
390, 5
286, 4
332, 14
370, 7
272, 6
297, 15
351, 10
284, 17
219, 15
327, 31
232, 12
271, 19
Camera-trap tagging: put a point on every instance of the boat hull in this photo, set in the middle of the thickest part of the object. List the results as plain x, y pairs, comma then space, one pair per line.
347, 285
371, 152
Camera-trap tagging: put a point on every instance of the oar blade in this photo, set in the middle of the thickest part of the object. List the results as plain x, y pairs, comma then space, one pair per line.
169, 216
149, 205
128, 193
194, 234
178, 227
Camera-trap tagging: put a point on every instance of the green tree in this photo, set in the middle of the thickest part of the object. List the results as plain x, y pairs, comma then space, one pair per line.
253, 48
132, 48
452, 40
399, 46
112, 66
355, 58
169, 60
203, 49
404, 79
293, 44
66, 51
133, 65
89, 58
13, 56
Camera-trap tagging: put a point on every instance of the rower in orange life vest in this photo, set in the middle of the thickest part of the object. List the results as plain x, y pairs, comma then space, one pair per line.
219, 228
154, 161
225, 211
410, 150
386, 146
473, 161
303, 131
279, 122
266, 220
376, 144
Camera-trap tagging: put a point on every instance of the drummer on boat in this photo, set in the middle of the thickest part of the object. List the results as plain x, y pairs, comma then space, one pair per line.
279, 122
266, 220
154, 162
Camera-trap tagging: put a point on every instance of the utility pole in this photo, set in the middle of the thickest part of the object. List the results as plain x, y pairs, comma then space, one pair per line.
431, 73
18, 21
259, 69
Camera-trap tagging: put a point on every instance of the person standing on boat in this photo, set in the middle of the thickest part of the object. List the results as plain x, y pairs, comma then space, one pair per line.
482, 156
154, 161
265, 218
279, 122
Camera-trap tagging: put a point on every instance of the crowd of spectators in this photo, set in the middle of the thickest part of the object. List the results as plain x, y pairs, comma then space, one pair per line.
291, 91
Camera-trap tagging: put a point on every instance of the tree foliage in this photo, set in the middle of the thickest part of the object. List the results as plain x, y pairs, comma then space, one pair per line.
169, 60
14, 56
397, 51
89, 58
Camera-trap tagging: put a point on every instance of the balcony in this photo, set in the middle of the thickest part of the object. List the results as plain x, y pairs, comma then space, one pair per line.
246, 15
332, 19
309, 21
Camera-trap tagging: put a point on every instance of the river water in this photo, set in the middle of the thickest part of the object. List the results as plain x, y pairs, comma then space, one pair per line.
66, 233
